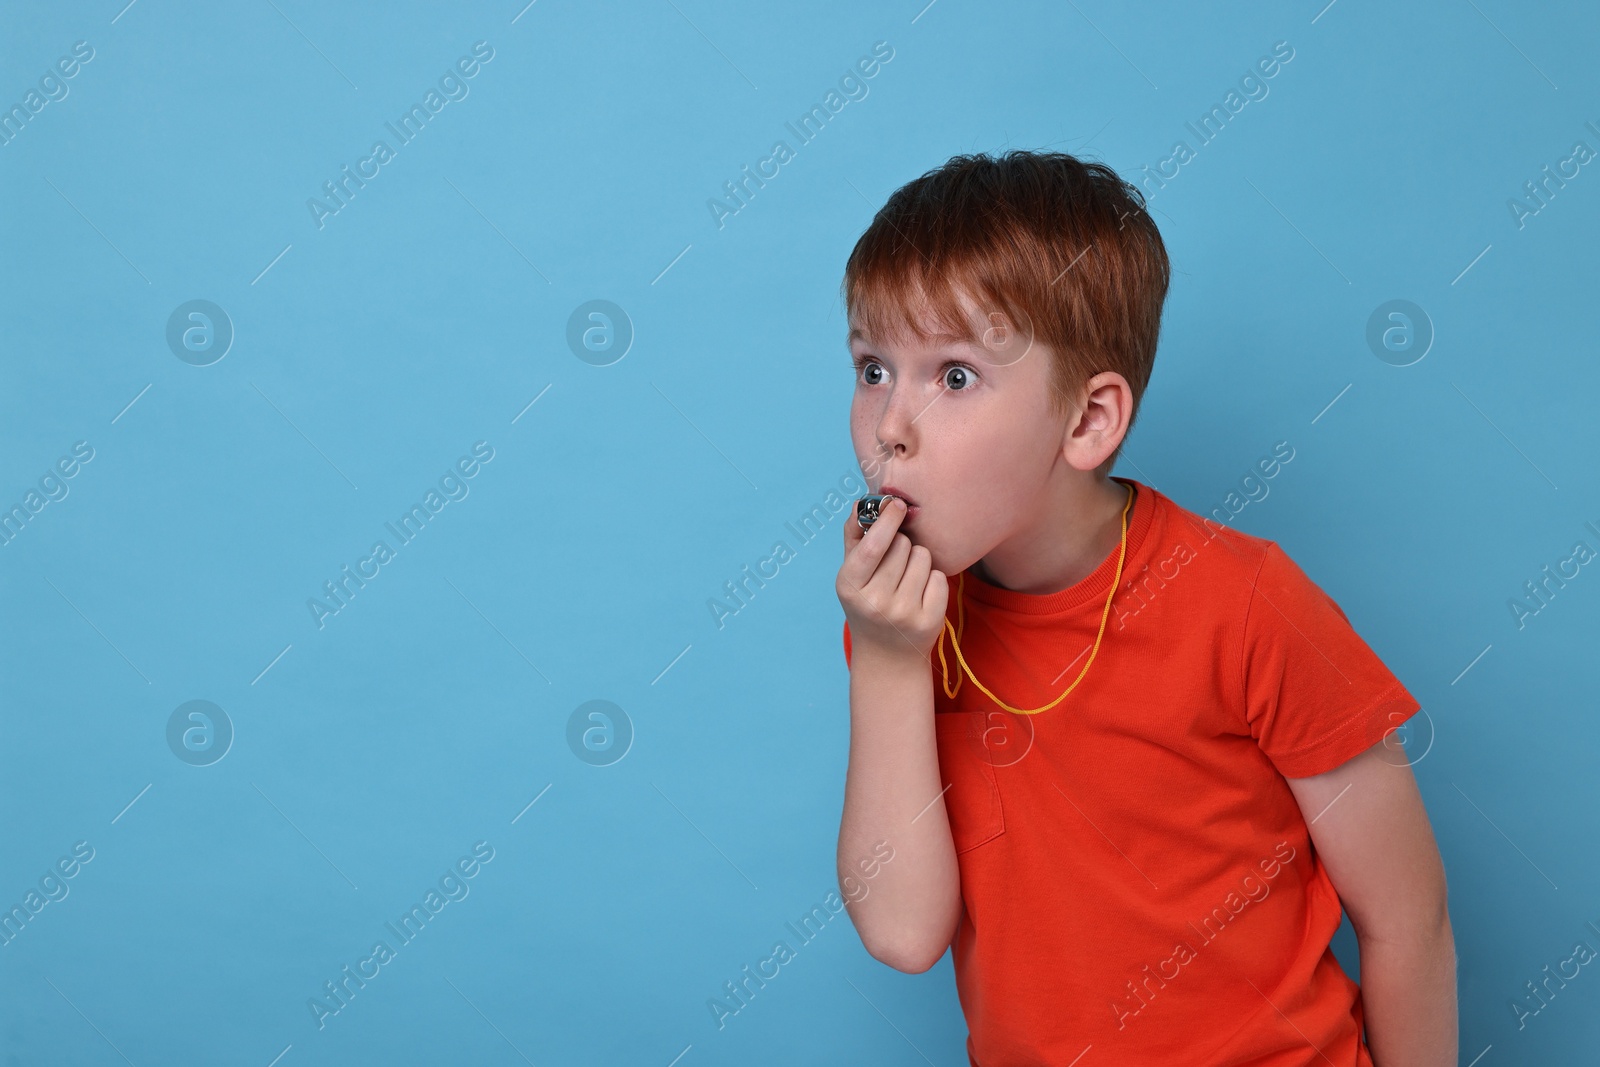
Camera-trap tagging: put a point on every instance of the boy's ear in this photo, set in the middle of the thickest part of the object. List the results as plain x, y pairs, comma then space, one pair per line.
1099, 421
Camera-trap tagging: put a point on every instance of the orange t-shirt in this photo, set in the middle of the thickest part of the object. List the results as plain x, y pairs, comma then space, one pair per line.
1136, 877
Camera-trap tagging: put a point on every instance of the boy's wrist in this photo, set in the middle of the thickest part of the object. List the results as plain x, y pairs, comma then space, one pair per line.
887, 659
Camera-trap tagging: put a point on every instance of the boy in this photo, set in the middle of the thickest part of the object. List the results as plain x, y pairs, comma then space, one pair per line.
1151, 758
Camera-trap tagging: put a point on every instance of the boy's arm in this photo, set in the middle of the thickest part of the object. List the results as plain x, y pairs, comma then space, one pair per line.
894, 603
907, 914
1368, 823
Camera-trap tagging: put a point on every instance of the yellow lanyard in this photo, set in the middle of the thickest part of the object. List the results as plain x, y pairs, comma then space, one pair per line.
961, 621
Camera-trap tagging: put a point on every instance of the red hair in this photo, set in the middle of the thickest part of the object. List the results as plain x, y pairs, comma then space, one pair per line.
1062, 247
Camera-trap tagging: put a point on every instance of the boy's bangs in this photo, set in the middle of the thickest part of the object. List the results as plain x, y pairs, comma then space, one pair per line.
891, 304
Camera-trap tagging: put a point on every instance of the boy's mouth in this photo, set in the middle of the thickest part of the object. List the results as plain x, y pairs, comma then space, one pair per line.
889, 490
911, 509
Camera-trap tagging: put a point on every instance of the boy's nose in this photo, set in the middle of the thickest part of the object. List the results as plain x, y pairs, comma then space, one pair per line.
897, 429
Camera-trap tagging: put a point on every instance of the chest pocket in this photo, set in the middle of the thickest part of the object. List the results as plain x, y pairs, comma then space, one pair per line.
967, 768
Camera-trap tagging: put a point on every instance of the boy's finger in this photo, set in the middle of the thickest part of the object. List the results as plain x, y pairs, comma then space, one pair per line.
891, 570
869, 545
853, 533
936, 595
915, 578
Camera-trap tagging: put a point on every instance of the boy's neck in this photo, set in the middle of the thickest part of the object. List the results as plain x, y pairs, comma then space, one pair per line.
1078, 525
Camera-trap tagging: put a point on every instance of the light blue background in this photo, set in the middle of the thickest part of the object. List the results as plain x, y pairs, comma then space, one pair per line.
431, 310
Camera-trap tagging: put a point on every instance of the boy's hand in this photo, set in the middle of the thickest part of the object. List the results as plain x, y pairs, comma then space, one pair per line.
892, 598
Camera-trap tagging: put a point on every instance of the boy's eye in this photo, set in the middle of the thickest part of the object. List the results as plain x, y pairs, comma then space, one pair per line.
955, 376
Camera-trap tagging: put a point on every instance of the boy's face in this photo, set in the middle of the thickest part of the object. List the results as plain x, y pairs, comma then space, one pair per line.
963, 429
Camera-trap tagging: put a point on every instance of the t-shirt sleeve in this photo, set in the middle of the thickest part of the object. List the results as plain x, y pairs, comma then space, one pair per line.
847, 643
1316, 695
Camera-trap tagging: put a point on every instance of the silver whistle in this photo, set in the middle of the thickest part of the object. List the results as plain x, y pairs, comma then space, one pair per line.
869, 508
